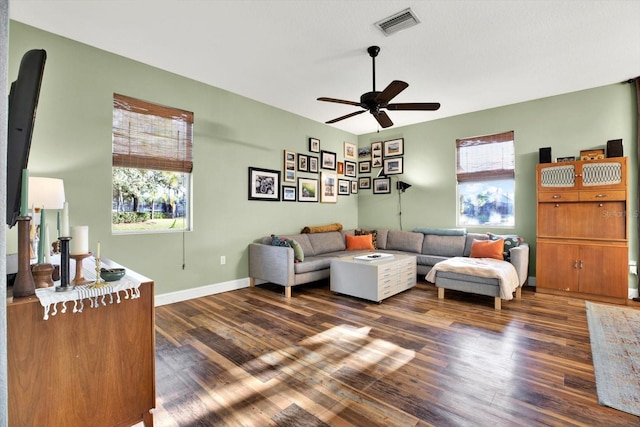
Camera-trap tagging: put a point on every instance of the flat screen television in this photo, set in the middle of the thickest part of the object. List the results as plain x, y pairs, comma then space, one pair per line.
23, 102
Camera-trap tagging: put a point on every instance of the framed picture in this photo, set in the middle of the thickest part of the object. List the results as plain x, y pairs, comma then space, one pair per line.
350, 151
264, 184
344, 187
288, 193
382, 186
364, 182
314, 145
313, 164
376, 154
364, 152
364, 167
350, 169
340, 168
307, 190
289, 166
566, 159
393, 166
328, 160
328, 187
394, 147
376, 162
354, 187
303, 163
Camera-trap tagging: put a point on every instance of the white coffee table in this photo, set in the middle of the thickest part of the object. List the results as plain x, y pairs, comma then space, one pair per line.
373, 280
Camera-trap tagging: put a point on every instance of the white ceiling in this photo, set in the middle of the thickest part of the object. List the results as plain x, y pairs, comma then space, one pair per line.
469, 55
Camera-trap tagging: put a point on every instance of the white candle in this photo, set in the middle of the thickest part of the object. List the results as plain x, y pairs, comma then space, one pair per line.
64, 221
79, 240
98, 251
47, 245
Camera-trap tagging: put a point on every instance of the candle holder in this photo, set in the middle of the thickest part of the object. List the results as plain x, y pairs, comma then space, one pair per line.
64, 266
79, 278
42, 275
99, 283
24, 284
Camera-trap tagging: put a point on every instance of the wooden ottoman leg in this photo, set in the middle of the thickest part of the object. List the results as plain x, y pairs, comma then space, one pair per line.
252, 282
440, 293
287, 291
519, 292
497, 303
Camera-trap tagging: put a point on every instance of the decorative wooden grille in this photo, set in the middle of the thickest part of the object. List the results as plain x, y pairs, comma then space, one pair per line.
601, 174
558, 176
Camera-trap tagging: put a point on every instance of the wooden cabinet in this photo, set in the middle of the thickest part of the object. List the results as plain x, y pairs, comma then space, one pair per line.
94, 368
582, 229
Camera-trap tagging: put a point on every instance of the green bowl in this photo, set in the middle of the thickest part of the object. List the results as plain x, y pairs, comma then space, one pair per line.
112, 274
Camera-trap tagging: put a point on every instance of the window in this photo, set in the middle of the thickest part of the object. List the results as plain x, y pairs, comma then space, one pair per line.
152, 165
486, 180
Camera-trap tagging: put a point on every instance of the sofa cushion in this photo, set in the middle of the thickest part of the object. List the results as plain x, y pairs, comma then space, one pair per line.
487, 249
357, 243
373, 233
312, 264
430, 260
510, 241
298, 253
381, 238
443, 245
404, 241
327, 242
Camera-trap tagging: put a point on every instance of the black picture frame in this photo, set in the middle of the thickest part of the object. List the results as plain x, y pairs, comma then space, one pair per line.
364, 182
393, 166
394, 147
328, 160
350, 169
313, 164
264, 184
344, 187
289, 193
314, 145
303, 163
382, 186
308, 190
354, 186
364, 166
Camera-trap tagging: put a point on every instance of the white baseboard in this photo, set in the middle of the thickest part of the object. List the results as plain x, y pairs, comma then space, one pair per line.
633, 293
202, 291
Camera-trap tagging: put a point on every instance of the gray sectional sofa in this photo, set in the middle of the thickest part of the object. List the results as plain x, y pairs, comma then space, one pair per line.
276, 264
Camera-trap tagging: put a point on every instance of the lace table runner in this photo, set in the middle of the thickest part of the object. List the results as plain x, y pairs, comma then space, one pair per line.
55, 302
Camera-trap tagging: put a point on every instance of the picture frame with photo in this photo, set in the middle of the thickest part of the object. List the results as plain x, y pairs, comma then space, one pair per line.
364, 152
314, 145
350, 169
393, 166
394, 147
354, 186
350, 151
303, 163
328, 160
289, 166
328, 187
264, 184
364, 182
364, 166
344, 187
340, 168
288, 193
382, 186
307, 190
313, 164
376, 154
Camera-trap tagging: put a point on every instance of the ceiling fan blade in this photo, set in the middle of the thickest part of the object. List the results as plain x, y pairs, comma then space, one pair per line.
345, 116
390, 92
419, 106
339, 101
383, 119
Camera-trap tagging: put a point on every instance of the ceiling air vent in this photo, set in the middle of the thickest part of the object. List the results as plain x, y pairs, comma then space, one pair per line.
401, 20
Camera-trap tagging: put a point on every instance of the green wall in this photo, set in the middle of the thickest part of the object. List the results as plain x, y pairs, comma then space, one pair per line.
567, 123
72, 140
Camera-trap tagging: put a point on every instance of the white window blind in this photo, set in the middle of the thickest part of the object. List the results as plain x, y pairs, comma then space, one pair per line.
151, 136
486, 157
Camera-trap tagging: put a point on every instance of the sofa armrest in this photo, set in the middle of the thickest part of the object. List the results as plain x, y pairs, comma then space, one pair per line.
520, 260
271, 263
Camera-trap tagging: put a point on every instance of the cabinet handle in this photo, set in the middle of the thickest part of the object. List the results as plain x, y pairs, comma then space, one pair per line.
602, 195
600, 205
575, 264
556, 196
557, 205
581, 264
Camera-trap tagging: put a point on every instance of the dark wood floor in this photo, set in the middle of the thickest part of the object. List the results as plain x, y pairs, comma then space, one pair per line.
252, 358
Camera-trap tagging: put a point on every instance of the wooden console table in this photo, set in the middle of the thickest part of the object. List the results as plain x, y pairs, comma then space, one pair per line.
92, 368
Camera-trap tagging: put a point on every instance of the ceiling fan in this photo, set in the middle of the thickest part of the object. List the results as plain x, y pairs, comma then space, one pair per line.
376, 101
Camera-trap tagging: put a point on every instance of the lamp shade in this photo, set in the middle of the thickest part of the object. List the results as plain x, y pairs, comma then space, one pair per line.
402, 186
47, 192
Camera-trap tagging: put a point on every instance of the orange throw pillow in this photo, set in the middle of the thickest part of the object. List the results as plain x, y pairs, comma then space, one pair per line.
487, 249
358, 243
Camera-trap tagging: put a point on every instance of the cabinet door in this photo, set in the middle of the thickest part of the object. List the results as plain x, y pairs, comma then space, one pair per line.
606, 220
557, 176
557, 266
603, 270
610, 173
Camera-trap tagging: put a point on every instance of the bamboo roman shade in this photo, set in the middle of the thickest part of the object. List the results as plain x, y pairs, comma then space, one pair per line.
485, 157
151, 136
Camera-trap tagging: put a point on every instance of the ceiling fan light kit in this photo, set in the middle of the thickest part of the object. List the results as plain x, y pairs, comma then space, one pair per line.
375, 102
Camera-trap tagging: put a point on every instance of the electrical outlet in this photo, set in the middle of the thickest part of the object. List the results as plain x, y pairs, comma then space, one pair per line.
223, 260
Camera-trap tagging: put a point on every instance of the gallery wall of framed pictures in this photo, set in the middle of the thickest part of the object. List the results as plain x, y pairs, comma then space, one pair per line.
319, 175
